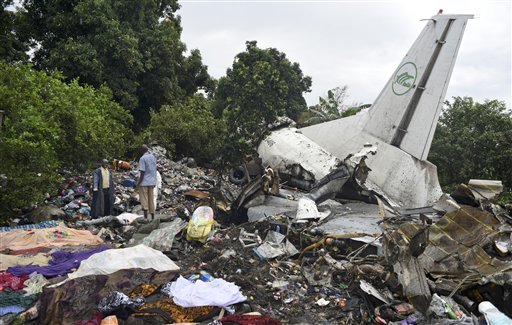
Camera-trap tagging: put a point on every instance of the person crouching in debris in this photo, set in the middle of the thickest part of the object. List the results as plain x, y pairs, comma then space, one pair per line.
102, 191
147, 181
121, 165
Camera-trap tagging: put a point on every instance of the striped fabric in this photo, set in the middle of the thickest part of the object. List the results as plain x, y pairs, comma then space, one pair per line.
41, 225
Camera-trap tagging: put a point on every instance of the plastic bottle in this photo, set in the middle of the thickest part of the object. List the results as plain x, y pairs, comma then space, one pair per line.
492, 315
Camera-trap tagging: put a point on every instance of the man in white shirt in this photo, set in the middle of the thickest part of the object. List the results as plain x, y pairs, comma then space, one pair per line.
147, 181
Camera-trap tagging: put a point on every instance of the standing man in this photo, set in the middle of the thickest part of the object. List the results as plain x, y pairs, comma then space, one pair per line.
147, 181
103, 192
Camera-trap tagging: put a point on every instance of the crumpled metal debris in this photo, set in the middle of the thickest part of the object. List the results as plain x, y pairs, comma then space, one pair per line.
456, 247
485, 189
116, 299
402, 247
276, 245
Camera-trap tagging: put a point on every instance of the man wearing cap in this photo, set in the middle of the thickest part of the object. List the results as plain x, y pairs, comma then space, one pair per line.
102, 192
147, 181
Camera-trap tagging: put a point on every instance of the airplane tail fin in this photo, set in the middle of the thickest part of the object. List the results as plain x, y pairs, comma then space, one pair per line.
406, 112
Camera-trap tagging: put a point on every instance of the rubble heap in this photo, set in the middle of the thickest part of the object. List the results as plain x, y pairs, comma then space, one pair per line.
261, 253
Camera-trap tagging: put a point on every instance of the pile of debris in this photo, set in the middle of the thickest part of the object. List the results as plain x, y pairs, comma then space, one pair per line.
264, 253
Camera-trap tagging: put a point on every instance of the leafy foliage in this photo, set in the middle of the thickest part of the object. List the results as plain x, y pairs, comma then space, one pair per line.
473, 140
261, 85
187, 129
12, 48
330, 108
133, 46
49, 124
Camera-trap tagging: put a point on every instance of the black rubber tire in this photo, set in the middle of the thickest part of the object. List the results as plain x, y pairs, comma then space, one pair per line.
238, 175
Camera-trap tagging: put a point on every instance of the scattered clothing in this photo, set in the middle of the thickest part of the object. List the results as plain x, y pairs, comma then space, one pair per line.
112, 260
61, 264
40, 225
77, 299
10, 298
57, 236
11, 310
178, 313
7, 261
96, 320
85, 211
29, 251
217, 292
143, 290
15, 282
28, 315
35, 284
249, 320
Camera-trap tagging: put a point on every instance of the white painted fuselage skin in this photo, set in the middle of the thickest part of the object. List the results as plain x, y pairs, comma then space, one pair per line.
400, 123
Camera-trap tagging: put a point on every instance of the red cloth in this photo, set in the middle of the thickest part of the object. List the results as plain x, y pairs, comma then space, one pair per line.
7, 280
30, 251
249, 320
96, 320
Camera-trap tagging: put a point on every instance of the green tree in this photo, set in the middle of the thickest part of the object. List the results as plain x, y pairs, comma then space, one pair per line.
473, 140
261, 85
48, 125
187, 129
133, 46
12, 48
330, 108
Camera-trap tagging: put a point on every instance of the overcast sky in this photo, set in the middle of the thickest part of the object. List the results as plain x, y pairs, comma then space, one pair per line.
353, 43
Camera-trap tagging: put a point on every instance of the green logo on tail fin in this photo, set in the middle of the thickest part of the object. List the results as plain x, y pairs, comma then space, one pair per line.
404, 78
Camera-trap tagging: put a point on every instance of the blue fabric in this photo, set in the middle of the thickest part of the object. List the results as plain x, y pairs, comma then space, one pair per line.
11, 310
128, 182
61, 263
41, 225
147, 164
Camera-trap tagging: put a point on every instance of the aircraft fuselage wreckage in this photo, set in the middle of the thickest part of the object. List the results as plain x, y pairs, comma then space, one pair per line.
393, 136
